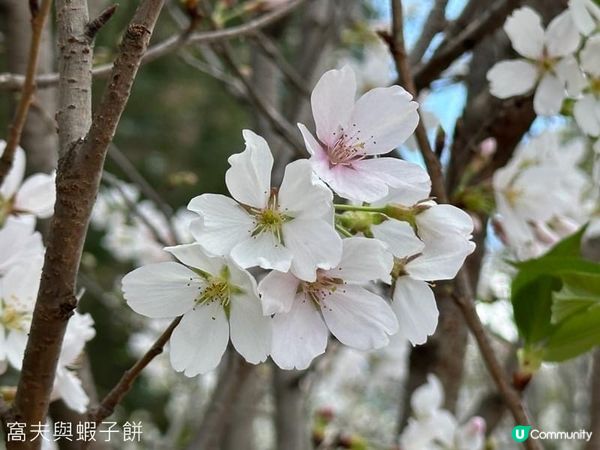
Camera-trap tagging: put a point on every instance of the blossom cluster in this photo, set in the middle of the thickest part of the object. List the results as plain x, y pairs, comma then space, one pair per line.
22, 201
562, 65
326, 266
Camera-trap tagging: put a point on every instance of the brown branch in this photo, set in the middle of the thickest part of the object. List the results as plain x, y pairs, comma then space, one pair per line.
15, 129
450, 50
116, 394
78, 179
10, 81
465, 299
435, 22
92, 28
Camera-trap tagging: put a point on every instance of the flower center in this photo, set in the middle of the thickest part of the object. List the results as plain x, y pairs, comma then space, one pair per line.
595, 85
6, 207
348, 148
322, 288
512, 196
270, 219
216, 289
12, 319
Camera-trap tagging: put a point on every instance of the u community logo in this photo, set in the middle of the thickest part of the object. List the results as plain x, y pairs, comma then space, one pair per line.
520, 433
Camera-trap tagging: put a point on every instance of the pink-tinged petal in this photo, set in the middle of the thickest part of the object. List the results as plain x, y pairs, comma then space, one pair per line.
312, 145
302, 194
396, 173
262, 250
383, 118
223, 224
350, 183
161, 290
299, 335
416, 310
193, 255
549, 96
562, 36
587, 115
15, 175
249, 177
510, 78
590, 62
526, 33
250, 330
200, 339
332, 101
364, 260
416, 188
358, 318
277, 292
37, 196
314, 244
399, 237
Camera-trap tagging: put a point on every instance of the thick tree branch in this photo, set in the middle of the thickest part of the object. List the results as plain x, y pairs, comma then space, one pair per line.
29, 85
435, 22
114, 397
15, 82
465, 299
78, 179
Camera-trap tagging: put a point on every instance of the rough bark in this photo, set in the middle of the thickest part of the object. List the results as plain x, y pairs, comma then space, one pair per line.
291, 428
78, 179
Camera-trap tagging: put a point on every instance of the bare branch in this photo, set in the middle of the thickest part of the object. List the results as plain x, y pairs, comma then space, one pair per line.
435, 22
465, 299
94, 26
15, 82
114, 397
78, 179
29, 86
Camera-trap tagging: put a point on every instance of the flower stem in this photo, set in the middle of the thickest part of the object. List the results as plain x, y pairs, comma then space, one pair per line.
343, 231
377, 209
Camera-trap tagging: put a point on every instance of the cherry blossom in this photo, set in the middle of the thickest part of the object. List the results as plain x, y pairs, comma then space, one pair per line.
217, 299
290, 228
586, 15
35, 196
67, 385
587, 107
547, 60
19, 243
336, 302
349, 132
434, 428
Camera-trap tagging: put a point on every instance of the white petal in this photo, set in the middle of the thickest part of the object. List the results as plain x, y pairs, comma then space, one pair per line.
513, 77
19, 243
249, 177
299, 335
71, 391
570, 74
193, 255
525, 31
590, 61
415, 308
394, 172
250, 330
416, 188
312, 145
200, 339
19, 286
37, 195
428, 397
302, 194
262, 250
358, 318
314, 245
332, 101
161, 290
224, 223
549, 96
277, 291
399, 237
364, 260
16, 341
384, 118
562, 36
587, 114
442, 220
15, 175
441, 259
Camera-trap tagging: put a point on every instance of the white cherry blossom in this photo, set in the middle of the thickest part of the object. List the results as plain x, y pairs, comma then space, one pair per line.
336, 302
19, 243
351, 132
587, 107
218, 301
290, 228
547, 60
586, 15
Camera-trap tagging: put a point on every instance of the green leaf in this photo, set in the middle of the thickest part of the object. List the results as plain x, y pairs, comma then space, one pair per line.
574, 336
579, 292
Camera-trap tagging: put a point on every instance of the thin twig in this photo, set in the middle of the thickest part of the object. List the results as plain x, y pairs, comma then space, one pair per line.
435, 22
465, 300
10, 81
113, 398
29, 86
92, 28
